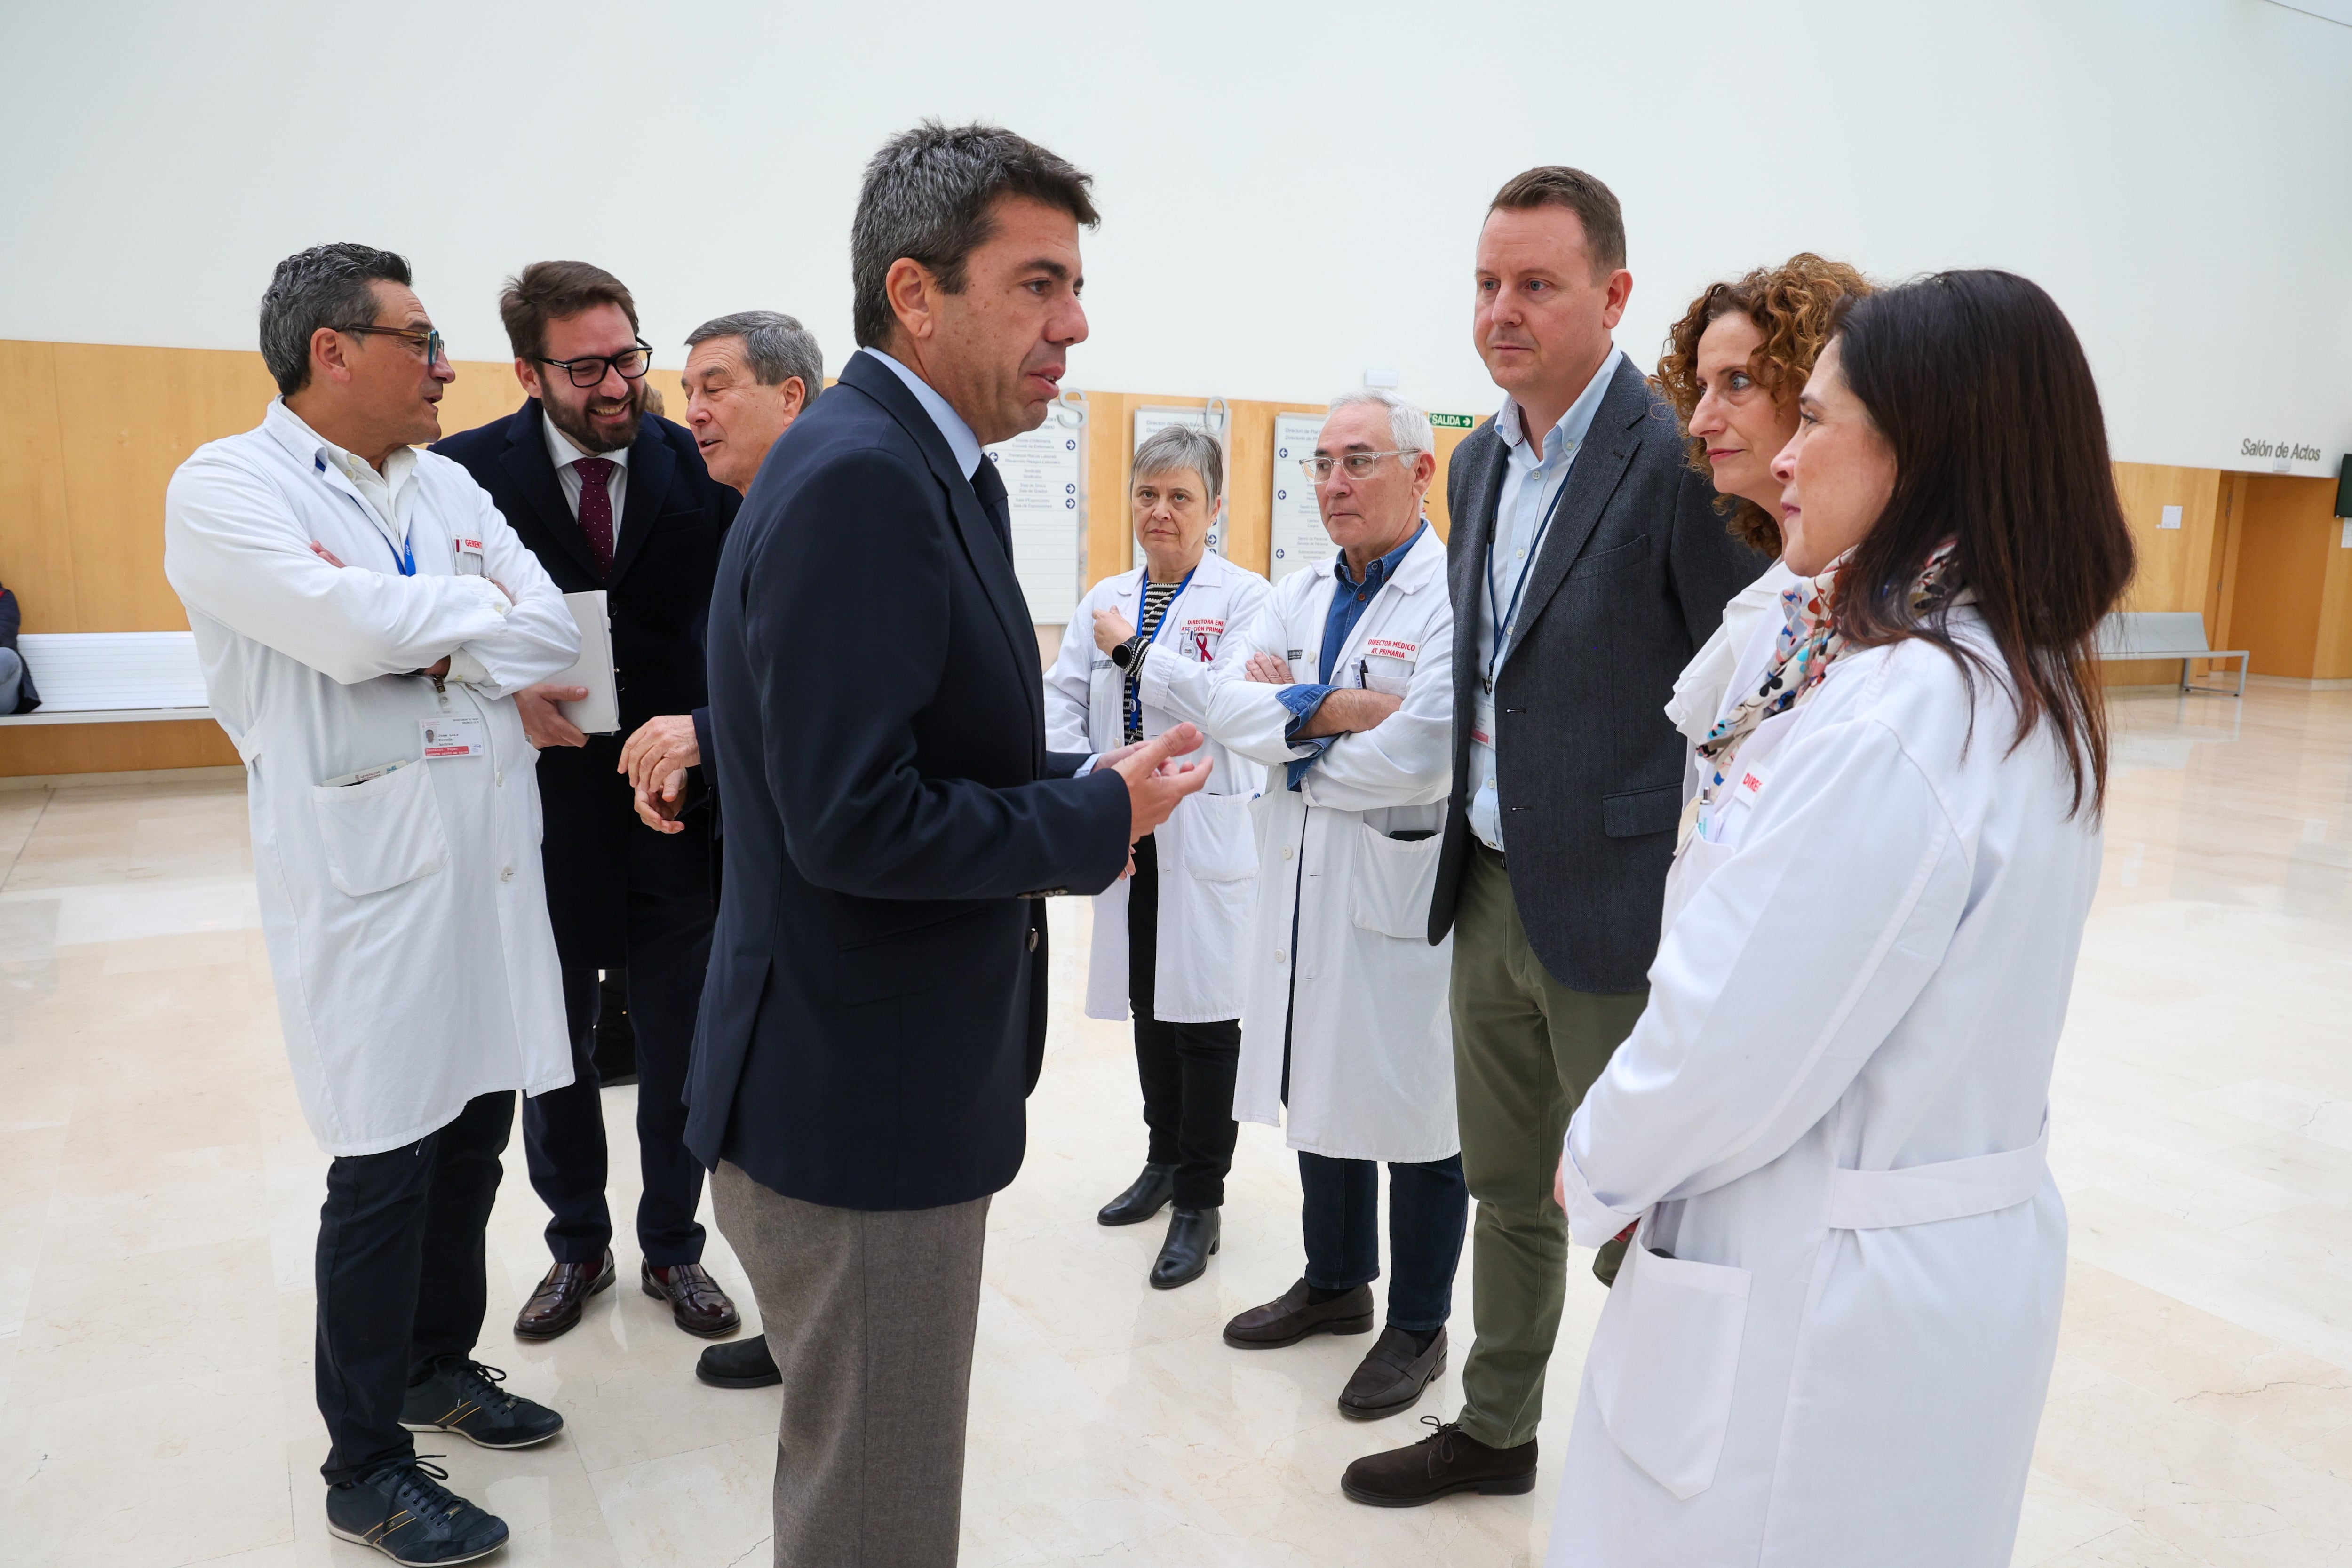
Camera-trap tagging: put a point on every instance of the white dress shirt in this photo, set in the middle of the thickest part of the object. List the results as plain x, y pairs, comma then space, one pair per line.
1532, 480
961, 440
562, 451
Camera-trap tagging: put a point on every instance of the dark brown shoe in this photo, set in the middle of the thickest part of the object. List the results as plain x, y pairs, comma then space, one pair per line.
1448, 1460
1288, 1318
1390, 1381
695, 1302
554, 1308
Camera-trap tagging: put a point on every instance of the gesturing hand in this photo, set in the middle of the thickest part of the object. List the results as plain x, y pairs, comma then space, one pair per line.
1268, 669
1156, 782
543, 723
1111, 628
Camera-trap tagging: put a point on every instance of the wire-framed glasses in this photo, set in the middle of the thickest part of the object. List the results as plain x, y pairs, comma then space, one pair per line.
1357, 464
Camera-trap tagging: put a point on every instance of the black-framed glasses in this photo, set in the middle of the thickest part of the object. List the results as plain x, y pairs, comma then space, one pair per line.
589, 369
1357, 464
428, 342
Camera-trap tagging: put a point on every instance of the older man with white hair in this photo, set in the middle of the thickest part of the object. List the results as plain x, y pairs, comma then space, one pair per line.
1341, 684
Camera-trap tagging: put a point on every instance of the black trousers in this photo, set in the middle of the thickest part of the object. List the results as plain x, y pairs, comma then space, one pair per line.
1187, 1070
668, 921
400, 1278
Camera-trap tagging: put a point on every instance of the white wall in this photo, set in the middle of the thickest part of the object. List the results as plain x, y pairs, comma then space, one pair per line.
1290, 194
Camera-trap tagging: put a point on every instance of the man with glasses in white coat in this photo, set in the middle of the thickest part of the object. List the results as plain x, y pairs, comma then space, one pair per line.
364, 617
1341, 685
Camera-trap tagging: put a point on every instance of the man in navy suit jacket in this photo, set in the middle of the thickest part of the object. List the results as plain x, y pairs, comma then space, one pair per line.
608, 496
876, 1011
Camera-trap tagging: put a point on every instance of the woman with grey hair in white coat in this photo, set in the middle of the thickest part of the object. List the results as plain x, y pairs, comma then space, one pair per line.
1170, 937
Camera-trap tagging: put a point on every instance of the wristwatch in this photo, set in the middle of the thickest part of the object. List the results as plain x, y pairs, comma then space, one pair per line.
1129, 654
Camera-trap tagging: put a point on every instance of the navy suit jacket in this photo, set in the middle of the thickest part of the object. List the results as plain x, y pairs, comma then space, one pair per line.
658, 596
875, 1012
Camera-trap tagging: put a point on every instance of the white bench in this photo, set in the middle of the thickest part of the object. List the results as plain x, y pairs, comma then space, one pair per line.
2166, 634
112, 678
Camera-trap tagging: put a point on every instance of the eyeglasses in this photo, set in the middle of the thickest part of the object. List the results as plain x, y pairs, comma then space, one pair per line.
427, 344
1359, 464
589, 369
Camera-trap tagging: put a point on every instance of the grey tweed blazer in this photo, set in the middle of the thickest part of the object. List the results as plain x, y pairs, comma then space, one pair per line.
1631, 578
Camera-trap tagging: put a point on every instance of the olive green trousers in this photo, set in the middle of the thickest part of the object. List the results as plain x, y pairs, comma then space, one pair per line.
1525, 1048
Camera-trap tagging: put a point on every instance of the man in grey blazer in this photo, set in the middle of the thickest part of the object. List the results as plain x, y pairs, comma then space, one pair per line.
1587, 565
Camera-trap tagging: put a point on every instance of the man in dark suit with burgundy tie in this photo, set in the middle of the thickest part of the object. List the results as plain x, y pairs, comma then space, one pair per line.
610, 497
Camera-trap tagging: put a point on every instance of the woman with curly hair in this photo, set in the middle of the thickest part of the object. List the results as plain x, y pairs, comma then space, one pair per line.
1732, 368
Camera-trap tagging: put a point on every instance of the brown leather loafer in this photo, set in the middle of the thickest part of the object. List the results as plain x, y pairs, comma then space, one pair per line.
1288, 1318
554, 1308
697, 1304
1448, 1460
1390, 1381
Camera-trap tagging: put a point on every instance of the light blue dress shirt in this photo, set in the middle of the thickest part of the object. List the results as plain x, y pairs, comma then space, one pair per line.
961, 440
1532, 480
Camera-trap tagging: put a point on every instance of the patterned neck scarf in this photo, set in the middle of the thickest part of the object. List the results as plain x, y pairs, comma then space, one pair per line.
1801, 655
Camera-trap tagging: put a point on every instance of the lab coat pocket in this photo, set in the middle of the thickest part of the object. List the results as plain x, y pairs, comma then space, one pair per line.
1394, 880
1663, 1361
1220, 842
382, 833
1393, 677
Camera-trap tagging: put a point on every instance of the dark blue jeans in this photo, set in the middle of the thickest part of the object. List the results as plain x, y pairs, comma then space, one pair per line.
1429, 1207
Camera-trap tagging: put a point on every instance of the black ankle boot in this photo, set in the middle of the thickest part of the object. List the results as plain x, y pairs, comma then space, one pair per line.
1193, 1235
1147, 1197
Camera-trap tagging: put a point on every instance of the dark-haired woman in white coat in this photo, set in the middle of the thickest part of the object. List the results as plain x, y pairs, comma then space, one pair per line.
1832, 1337
1170, 941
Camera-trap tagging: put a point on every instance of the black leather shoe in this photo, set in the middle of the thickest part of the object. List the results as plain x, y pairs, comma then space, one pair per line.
554, 1308
1193, 1235
464, 1397
1147, 1197
697, 1304
403, 1511
1448, 1460
1390, 1380
1288, 1319
746, 1363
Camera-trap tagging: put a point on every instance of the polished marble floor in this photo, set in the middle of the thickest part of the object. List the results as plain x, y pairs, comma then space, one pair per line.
158, 1194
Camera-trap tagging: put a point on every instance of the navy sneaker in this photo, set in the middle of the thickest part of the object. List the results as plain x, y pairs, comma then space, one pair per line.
403, 1511
464, 1397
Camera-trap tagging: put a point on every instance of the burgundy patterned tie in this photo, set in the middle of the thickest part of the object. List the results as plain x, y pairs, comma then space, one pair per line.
596, 509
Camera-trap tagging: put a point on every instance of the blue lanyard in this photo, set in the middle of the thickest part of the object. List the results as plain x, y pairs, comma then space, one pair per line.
1505, 617
405, 558
1143, 584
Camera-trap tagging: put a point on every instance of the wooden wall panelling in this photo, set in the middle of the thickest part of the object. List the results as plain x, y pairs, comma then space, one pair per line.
2175, 565
1110, 438
31, 749
128, 418
2284, 610
2221, 607
35, 534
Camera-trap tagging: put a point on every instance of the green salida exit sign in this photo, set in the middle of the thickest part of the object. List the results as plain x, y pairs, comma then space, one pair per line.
1453, 421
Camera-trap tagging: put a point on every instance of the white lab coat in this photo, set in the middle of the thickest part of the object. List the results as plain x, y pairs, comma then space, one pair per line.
1833, 1116
405, 917
1372, 1046
1208, 851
